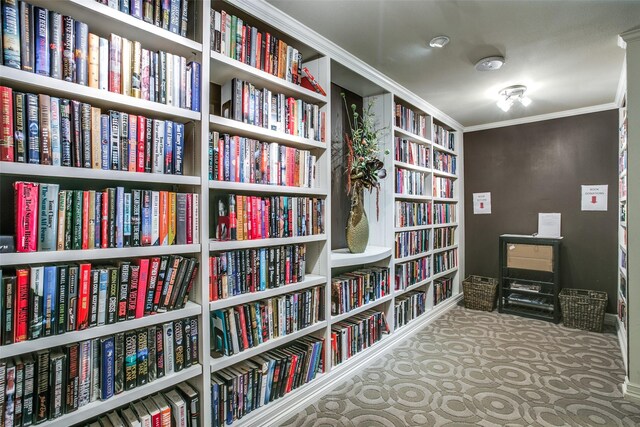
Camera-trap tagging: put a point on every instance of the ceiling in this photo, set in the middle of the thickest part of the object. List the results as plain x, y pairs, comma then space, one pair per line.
564, 51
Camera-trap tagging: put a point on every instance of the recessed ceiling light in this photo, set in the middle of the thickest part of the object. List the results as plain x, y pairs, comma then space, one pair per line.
490, 63
439, 41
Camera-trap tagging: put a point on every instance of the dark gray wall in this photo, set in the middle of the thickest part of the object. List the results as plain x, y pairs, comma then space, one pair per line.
539, 167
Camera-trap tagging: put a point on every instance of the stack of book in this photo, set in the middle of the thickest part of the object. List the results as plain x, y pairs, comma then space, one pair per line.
239, 328
172, 15
179, 407
50, 44
408, 243
358, 288
411, 152
237, 217
42, 301
444, 213
445, 162
530, 301
443, 237
53, 382
442, 289
411, 214
409, 307
41, 129
49, 219
240, 159
244, 102
407, 119
251, 384
356, 334
444, 137
443, 187
411, 182
446, 260
412, 272
253, 270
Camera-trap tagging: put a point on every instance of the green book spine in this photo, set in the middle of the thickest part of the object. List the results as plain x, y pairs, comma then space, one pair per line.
77, 220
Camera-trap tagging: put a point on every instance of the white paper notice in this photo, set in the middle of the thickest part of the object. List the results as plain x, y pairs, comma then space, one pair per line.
549, 225
594, 197
481, 203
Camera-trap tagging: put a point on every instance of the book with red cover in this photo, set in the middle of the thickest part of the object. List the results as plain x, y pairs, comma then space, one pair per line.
189, 223
154, 270
6, 124
104, 220
21, 306
310, 82
132, 298
115, 60
142, 127
26, 216
243, 326
143, 281
84, 296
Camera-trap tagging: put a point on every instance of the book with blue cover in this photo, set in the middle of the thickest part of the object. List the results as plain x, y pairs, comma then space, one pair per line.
41, 40
50, 300
107, 350
178, 148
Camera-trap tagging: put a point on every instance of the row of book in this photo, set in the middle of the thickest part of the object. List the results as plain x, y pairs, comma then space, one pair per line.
238, 217
179, 407
356, 334
408, 243
444, 213
445, 162
442, 289
245, 326
41, 129
244, 102
412, 272
443, 237
49, 219
411, 182
411, 152
51, 383
412, 214
446, 260
411, 121
409, 307
235, 38
42, 301
253, 383
170, 15
240, 159
254, 270
444, 137
50, 44
443, 187
358, 288
622, 162
536, 302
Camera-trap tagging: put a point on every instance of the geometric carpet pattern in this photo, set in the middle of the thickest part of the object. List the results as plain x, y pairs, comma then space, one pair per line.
471, 368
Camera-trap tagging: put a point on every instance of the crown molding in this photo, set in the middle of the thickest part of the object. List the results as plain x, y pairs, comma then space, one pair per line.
278, 19
622, 84
542, 117
632, 35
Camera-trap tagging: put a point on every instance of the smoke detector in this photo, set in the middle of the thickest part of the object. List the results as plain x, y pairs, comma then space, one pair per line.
439, 41
490, 63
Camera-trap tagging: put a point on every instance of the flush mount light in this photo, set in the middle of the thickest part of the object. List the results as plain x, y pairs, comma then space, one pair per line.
439, 41
511, 94
490, 63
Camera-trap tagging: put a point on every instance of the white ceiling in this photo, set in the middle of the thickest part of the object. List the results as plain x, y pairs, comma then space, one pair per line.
565, 51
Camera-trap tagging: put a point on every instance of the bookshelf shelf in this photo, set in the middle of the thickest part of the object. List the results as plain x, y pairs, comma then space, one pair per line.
410, 166
226, 361
412, 197
353, 360
104, 20
31, 171
12, 350
410, 136
340, 317
243, 187
445, 174
30, 82
444, 273
446, 248
443, 149
235, 127
102, 406
225, 68
449, 224
412, 257
412, 228
229, 245
445, 199
412, 287
94, 254
344, 258
309, 281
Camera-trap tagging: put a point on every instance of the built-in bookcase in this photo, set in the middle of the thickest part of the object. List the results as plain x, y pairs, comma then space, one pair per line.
623, 267
308, 269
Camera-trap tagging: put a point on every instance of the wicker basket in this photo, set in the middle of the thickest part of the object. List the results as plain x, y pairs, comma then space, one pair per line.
480, 293
583, 309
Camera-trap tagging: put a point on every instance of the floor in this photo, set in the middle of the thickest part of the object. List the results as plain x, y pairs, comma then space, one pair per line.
487, 369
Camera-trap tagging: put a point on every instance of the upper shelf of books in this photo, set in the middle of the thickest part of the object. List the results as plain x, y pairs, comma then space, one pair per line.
104, 20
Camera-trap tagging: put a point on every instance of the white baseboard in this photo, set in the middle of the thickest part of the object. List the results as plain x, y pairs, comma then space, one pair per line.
631, 391
279, 411
622, 341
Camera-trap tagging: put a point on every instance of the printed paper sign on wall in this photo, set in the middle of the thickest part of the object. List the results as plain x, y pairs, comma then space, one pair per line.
481, 203
594, 197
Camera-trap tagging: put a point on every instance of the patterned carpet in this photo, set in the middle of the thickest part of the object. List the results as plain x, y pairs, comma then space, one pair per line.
476, 368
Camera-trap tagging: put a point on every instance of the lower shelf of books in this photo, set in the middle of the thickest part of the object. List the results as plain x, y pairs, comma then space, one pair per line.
358, 310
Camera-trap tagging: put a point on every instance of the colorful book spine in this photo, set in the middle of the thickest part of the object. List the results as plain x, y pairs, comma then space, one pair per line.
55, 44
6, 125
68, 49
10, 34
41, 41
82, 53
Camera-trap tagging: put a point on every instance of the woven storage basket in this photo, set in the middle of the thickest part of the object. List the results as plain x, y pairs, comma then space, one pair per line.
479, 293
583, 309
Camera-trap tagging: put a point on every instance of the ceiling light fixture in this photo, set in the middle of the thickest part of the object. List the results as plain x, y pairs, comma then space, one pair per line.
511, 94
490, 63
439, 41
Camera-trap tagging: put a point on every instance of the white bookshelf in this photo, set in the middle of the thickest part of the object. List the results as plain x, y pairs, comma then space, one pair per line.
623, 279
344, 258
